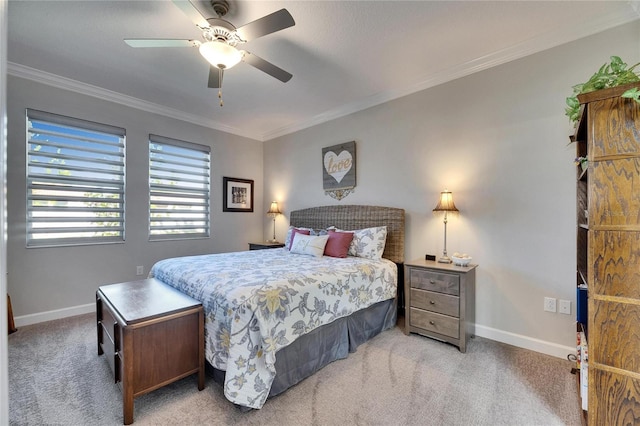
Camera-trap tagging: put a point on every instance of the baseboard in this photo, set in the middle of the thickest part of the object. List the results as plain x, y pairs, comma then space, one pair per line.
525, 342
23, 320
518, 340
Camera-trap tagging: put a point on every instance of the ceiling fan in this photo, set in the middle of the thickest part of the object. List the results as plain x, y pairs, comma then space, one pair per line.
220, 38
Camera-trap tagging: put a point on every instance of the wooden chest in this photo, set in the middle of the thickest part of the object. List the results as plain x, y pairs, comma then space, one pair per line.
151, 335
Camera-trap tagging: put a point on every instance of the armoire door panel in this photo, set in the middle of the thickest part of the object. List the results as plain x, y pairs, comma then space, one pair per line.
615, 261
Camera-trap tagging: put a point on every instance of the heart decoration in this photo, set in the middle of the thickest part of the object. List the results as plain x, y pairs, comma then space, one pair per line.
337, 166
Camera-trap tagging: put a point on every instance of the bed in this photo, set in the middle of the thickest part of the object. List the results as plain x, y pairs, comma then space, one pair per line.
273, 318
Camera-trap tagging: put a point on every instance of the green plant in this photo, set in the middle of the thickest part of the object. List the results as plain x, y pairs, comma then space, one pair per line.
632, 94
580, 160
583, 162
609, 75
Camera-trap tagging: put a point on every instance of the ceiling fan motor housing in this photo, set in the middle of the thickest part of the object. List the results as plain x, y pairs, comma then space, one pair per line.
220, 30
221, 7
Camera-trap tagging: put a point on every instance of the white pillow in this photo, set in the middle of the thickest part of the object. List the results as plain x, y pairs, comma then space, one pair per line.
308, 244
368, 242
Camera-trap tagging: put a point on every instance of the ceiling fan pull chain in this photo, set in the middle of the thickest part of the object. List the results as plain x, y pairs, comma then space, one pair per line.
220, 74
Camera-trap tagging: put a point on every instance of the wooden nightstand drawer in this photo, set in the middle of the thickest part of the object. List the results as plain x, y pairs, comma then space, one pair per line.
106, 318
435, 281
437, 323
109, 338
109, 349
435, 302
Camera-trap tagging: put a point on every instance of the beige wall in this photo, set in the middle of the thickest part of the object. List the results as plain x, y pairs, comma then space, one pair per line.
498, 140
49, 279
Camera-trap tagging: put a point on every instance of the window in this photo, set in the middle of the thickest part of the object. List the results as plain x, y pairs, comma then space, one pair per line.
178, 189
75, 181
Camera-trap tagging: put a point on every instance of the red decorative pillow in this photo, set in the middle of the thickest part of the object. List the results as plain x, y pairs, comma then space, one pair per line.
338, 244
295, 231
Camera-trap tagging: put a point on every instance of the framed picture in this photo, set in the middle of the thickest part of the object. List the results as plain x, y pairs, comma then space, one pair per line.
237, 195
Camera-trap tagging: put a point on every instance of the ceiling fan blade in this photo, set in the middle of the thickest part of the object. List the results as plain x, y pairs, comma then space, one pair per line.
194, 14
159, 42
266, 67
266, 25
215, 80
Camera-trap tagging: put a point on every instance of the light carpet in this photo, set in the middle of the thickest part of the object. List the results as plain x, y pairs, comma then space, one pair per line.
56, 377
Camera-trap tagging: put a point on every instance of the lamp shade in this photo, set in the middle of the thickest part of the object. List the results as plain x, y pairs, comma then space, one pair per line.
445, 204
274, 209
220, 55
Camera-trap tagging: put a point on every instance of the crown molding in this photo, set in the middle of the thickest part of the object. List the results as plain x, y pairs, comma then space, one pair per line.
49, 79
517, 51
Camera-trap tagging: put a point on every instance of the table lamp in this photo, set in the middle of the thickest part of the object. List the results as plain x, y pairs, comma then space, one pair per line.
273, 212
445, 204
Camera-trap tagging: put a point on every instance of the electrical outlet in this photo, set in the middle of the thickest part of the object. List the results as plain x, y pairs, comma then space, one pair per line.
564, 307
139, 270
550, 304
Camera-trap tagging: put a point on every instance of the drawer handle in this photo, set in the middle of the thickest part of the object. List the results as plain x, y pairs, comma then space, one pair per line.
432, 281
432, 302
432, 323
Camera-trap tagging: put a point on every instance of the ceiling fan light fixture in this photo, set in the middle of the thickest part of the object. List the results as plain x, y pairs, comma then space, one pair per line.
220, 54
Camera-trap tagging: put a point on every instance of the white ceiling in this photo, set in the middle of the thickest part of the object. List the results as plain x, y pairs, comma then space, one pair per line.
344, 55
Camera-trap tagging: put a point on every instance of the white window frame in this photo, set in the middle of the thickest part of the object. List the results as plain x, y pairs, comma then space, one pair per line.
179, 189
75, 181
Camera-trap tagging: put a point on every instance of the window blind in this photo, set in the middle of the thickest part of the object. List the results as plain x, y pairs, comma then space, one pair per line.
75, 181
179, 185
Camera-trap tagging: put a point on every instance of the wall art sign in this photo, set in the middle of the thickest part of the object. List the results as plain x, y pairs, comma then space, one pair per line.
339, 169
237, 195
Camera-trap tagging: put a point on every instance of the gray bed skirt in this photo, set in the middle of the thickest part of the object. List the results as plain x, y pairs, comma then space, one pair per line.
333, 341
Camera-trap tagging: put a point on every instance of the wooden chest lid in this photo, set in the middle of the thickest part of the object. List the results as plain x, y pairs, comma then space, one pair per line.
138, 301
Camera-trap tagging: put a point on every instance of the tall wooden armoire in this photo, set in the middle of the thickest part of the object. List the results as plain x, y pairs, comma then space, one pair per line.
609, 249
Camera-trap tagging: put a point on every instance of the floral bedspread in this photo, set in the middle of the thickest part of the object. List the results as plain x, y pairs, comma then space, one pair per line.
259, 301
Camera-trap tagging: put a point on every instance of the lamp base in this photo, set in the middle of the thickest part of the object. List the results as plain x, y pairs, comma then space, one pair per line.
445, 259
272, 241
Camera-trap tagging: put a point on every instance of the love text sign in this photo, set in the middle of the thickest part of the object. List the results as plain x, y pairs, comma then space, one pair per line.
339, 167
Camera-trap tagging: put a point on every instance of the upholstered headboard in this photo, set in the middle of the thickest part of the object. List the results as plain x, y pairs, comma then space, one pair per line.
351, 217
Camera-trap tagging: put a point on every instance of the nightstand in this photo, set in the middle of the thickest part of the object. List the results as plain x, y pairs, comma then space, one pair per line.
264, 245
440, 301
